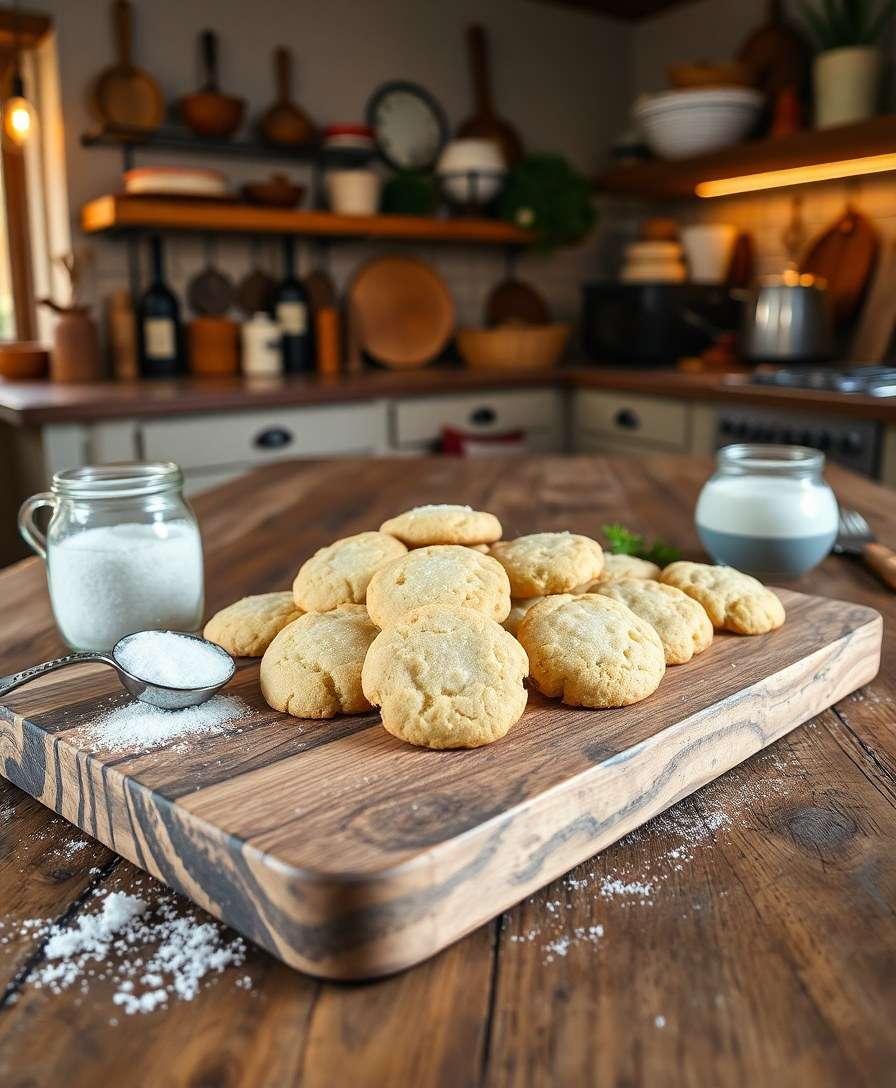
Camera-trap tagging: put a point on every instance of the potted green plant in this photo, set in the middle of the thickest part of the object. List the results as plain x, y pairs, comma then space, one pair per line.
847, 70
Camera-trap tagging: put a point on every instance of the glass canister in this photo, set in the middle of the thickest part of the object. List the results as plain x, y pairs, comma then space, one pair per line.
122, 549
767, 510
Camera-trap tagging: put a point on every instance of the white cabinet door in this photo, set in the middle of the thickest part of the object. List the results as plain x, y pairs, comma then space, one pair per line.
417, 422
256, 438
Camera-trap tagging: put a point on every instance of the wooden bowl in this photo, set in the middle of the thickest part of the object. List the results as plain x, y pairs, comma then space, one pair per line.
403, 310
23, 361
733, 73
208, 113
513, 347
277, 192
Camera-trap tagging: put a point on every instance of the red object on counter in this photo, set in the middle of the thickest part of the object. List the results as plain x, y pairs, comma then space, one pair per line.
457, 443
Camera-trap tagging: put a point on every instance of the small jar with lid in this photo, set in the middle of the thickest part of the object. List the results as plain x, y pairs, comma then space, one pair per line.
767, 510
122, 549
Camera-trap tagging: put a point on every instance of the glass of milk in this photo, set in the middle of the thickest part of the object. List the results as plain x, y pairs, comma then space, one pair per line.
767, 510
122, 549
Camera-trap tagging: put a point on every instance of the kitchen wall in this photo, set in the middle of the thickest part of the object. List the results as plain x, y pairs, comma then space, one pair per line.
701, 31
560, 75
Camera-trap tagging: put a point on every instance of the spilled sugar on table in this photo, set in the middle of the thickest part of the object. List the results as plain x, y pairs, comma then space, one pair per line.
502, 973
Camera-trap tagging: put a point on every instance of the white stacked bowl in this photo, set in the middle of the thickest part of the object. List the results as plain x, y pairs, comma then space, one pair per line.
679, 124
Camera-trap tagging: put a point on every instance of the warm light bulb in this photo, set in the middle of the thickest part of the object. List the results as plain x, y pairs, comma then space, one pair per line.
18, 121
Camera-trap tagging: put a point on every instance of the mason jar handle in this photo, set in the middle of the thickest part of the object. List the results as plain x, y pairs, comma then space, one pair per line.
27, 525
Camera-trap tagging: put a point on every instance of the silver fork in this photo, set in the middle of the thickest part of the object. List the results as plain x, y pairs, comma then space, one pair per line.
854, 537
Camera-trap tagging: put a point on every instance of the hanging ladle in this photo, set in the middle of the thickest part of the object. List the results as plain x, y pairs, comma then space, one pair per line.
158, 695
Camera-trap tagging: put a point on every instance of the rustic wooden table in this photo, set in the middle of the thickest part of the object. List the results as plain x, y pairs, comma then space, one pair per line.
746, 936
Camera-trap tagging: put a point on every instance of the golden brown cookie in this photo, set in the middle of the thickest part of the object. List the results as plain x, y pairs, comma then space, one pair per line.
246, 627
312, 669
591, 651
546, 563
734, 601
680, 621
340, 572
628, 566
443, 523
444, 574
518, 609
446, 678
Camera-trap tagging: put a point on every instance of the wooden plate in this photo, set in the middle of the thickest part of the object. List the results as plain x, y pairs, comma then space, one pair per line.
404, 311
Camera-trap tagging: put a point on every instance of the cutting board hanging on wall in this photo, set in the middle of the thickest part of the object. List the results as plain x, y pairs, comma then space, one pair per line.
844, 255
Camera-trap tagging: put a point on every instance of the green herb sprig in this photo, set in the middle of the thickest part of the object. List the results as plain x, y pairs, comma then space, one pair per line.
623, 541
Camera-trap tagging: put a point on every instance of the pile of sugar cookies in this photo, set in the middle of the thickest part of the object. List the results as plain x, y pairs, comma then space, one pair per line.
439, 622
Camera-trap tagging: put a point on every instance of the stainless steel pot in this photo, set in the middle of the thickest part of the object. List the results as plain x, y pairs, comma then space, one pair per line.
788, 319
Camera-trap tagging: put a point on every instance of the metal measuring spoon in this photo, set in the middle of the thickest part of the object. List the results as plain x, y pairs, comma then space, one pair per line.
157, 695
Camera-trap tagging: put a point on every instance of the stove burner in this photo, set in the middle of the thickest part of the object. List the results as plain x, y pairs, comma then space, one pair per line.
873, 381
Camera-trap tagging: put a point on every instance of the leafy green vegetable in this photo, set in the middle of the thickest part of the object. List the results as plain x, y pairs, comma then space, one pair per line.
842, 23
623, 541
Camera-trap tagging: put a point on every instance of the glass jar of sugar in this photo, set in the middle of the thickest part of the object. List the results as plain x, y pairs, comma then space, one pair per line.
123, 552
767, 510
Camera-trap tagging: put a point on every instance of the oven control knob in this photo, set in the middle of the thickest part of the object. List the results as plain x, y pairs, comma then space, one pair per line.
851, 443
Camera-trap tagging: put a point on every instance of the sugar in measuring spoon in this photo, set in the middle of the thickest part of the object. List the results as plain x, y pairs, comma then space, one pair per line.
166, 669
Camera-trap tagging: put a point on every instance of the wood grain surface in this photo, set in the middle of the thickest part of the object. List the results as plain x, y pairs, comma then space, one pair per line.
763, 951
30, 404
349, 854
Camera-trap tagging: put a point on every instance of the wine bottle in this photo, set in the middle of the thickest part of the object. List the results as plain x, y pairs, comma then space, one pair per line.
293, 315
159, 332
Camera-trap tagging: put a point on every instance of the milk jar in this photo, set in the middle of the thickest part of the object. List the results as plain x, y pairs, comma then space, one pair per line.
767, 510
122, 550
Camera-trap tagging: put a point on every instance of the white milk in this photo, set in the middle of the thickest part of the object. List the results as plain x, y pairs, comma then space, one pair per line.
763, 506
109, 581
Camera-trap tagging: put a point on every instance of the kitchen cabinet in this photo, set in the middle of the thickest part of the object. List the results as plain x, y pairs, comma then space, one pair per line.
416, 424
607, 421
249, 439
212, 448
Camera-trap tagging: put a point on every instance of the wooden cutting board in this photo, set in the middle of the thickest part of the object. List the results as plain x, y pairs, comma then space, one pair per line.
350, 855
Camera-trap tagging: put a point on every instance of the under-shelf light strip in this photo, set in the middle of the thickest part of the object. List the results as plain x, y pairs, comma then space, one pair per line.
797, 175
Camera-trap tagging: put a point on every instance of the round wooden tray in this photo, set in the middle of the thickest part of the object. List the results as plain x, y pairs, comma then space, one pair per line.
404, 311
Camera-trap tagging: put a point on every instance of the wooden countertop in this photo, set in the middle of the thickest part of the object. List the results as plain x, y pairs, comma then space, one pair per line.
36, 403
747, 934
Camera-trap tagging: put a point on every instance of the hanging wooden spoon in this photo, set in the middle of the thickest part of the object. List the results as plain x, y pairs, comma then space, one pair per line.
284, 123
123, 95
485, 124
514, 302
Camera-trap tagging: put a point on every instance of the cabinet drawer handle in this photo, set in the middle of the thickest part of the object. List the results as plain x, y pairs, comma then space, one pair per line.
627, 418
274, 438
483, 416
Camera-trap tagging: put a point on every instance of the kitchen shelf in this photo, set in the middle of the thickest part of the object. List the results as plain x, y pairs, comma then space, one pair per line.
109, 214
673, 180
181, 140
